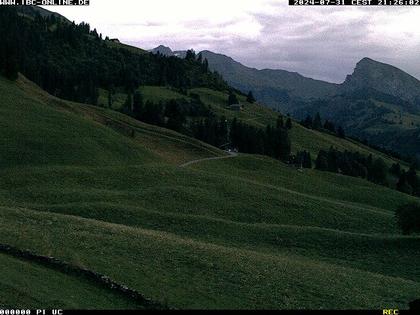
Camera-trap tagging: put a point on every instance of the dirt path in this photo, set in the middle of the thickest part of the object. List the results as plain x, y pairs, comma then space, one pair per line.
231, 155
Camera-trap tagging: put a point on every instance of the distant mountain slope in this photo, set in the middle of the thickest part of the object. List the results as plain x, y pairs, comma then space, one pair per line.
378, 102
274, 88
387, 79
167, 51
164, 50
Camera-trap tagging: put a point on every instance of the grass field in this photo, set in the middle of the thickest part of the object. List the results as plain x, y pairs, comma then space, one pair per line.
244, 232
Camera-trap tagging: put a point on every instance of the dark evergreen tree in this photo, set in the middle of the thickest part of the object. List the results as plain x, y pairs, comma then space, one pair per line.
340, 132
333, 160
250, 97
413, 180
303, 159
232, 99
205, 65
176, 118
408, 218
307, 161
317, 123
308, 122
403, 185
223, 132
321, 162
138, 105
289, 123
280, 122
378, 172
328, 125
128, 105
110, 98
284, 145
153, 113
190, 56
11, 66
395, 169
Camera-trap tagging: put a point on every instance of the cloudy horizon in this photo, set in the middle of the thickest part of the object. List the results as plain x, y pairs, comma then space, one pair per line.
319, 42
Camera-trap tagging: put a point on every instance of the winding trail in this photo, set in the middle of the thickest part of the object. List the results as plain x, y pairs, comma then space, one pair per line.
231, 155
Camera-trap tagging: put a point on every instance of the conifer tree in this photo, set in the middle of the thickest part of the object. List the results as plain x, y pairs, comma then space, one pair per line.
317, 123
232, 99
137, 105
308, 122
250, 97
289, 123
280, 122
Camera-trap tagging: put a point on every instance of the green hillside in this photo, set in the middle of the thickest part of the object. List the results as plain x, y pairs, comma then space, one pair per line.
253, 114
243, 232
27, 138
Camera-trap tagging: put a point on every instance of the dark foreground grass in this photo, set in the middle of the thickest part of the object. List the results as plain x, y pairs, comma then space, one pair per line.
30, 286
194, 274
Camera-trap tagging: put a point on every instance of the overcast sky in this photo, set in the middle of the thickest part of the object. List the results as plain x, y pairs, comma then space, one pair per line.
319, 42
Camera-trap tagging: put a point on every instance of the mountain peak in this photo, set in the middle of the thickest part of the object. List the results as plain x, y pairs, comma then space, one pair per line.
382, 77
367, 60
163, 47
164, 50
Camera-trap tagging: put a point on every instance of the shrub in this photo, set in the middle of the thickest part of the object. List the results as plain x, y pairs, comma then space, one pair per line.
408, 218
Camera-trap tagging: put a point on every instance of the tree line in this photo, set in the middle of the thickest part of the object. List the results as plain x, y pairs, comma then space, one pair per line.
72, 61
408, 181
316, 124
193, 118
375, 170
330, 127
353, 164
273, 141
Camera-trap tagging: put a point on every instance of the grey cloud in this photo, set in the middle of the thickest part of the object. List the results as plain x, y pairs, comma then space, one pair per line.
323, 44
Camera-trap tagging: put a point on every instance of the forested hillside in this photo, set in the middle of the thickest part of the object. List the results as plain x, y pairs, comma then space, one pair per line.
72, 61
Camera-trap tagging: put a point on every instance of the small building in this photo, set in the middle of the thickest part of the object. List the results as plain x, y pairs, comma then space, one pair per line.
115, 40
235, 107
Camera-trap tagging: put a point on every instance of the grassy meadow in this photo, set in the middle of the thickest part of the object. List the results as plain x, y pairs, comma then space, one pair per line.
97, 189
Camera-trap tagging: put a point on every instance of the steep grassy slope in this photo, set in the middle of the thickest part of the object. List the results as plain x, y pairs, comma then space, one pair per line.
156, 143
33, 133
245, 232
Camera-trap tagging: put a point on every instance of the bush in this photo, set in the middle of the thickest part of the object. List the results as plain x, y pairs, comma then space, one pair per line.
408, 218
